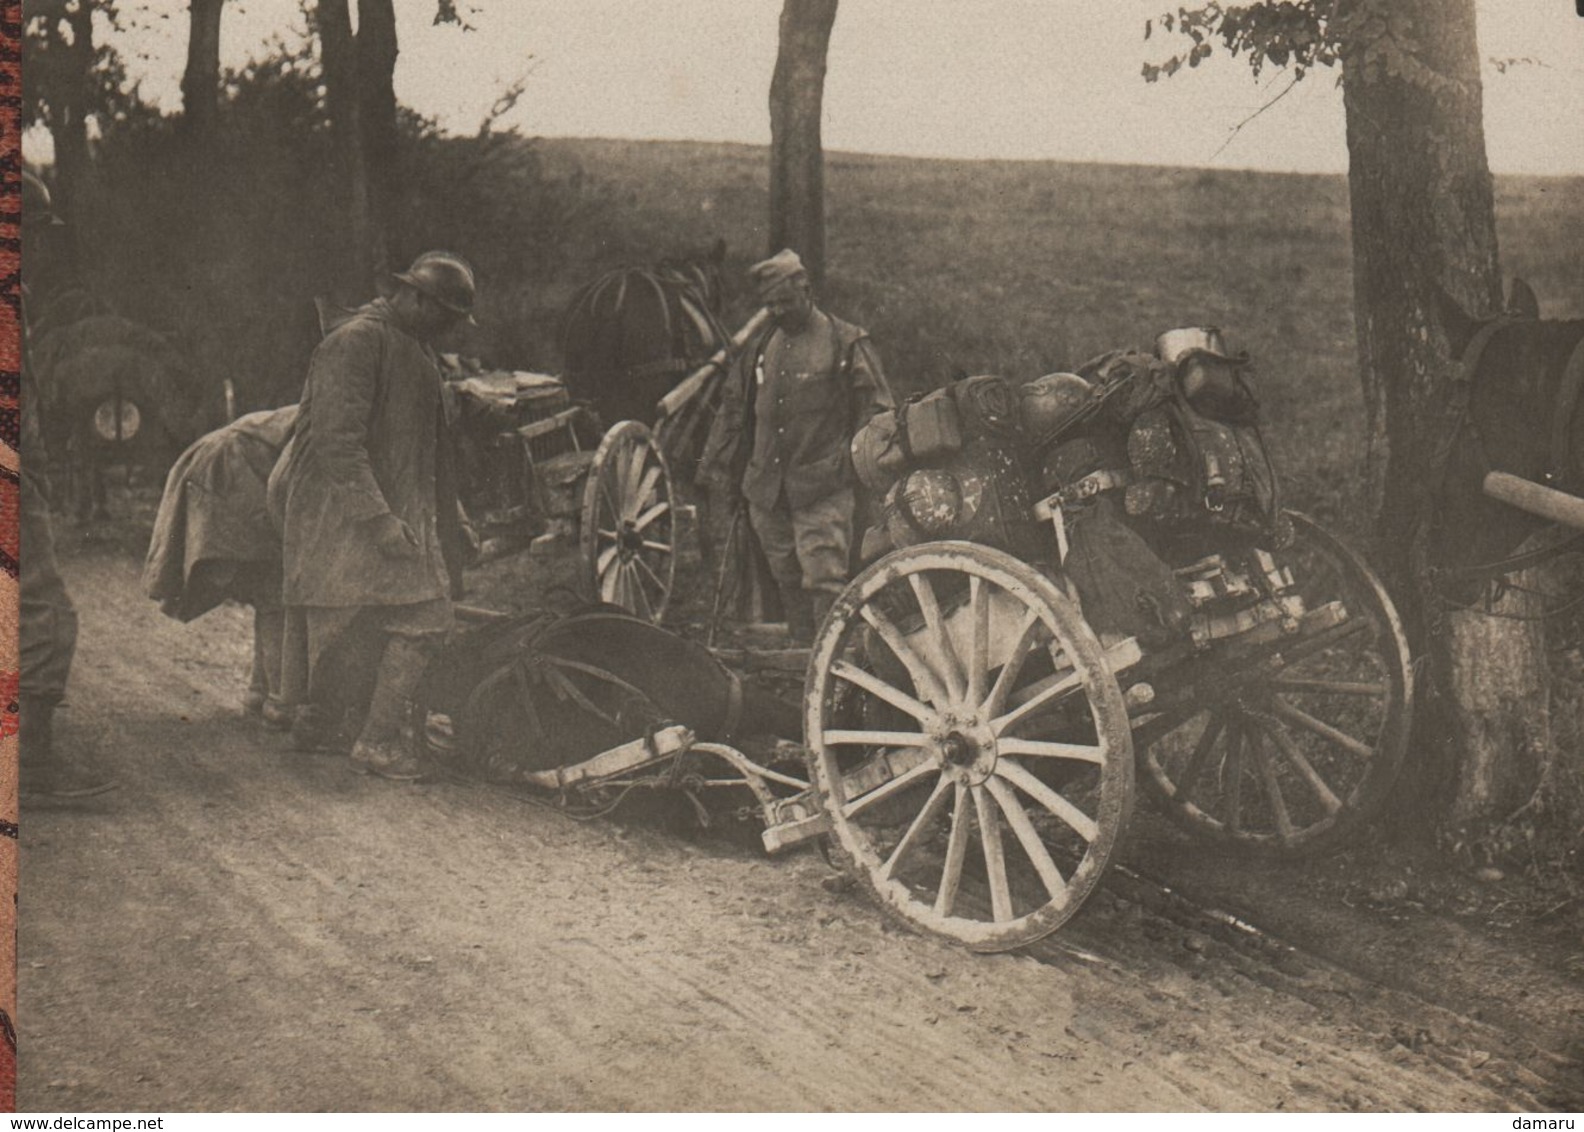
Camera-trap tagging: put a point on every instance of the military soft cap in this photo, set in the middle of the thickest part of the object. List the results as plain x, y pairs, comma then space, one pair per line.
769, 274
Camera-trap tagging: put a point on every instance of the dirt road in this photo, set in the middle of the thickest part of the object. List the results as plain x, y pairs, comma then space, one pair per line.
241, 927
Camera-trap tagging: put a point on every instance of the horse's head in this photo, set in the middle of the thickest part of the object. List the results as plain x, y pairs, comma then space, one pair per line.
1516, 394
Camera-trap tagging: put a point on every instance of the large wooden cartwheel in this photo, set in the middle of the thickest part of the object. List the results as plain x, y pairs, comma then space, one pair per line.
627, 537
1290, 755
970, 743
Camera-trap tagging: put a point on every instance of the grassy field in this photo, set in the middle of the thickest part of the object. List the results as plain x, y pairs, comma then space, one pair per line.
1020, 268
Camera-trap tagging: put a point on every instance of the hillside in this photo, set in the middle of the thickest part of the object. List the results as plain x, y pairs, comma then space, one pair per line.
1025, 267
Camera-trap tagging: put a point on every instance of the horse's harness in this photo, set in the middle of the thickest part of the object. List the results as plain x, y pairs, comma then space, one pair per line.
693, 297
1557, 473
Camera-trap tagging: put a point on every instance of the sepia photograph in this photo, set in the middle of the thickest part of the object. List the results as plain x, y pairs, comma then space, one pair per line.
855, 556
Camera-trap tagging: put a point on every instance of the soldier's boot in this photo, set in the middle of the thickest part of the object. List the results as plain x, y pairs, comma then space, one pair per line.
385, 746
257, 694
799, 614
46, 772
269, 630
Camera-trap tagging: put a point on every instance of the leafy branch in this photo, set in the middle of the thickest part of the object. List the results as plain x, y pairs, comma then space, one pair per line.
1295, 34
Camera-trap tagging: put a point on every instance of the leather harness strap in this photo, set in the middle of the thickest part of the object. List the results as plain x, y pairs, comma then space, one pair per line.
1457, 407
734, 706
1569, 392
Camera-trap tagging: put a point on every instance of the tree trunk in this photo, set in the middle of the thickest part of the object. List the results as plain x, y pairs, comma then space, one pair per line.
68, 116
200, 83
1423, 217
376, 70
797, 160
339, 53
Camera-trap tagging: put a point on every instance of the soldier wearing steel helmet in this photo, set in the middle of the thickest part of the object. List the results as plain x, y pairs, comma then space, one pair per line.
365, 497
48, 619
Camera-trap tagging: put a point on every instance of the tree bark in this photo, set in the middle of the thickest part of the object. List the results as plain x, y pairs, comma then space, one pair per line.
339, 53
376, 69
1423, 217
69, 48
797, 159
200, 83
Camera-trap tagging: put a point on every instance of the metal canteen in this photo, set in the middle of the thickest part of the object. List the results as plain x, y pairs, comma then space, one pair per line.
1173, 344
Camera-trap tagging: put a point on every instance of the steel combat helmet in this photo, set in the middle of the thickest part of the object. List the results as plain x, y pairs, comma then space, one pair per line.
444, 277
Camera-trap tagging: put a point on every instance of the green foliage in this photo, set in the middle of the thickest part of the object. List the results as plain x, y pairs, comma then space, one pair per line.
491, 198
228, 247
1378, 40
55, 76
1295, 34
450, 12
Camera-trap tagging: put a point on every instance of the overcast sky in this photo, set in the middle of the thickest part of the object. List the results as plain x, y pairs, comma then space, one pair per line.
950, 78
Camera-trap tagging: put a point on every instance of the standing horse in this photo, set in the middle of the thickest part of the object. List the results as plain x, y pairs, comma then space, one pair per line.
632, 334
1524, 380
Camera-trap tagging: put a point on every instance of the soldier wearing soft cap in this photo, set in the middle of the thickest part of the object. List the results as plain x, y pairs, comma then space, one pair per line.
800, 390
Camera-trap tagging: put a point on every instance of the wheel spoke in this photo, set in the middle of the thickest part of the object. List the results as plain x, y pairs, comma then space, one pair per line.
924, 681
611, 507
1021, 777
994, 855
920, 827
881, 793
879, 688
841, 738
1300, 718
1267, 773
1028, 837
1049, 749
633, 471
646, 488
610, 582
979, 634
1334, 687
956, 849
1289, 750
1157, 727
1233, 783
1023, 643
640, 596
660, 587
606, 557
929, 606
648, 517
657, 547
1214, 727
1044, 698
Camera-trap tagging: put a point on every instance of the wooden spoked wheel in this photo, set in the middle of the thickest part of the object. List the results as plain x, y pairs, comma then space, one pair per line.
1291, 752
628, 534
970, 743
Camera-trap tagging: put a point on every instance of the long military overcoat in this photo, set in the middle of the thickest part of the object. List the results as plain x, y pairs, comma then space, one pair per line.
369, 441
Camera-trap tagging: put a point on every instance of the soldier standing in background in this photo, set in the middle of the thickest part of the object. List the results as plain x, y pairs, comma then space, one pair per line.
799, 391
48, 628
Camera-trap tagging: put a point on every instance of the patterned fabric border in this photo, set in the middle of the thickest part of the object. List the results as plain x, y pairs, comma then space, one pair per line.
10, 367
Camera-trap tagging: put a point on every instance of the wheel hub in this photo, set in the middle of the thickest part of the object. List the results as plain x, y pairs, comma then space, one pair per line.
958, 750
630, 539
967, 751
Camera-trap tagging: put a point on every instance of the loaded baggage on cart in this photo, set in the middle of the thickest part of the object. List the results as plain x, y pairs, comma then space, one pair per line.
1078, 585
